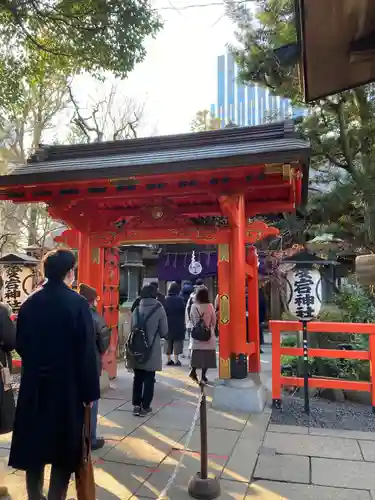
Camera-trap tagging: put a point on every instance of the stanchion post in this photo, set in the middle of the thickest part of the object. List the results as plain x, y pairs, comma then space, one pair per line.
305, 366
203, 427
201, 486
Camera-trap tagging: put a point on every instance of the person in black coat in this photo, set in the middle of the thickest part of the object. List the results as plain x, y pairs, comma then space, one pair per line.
56, 341
102, 341
175, 309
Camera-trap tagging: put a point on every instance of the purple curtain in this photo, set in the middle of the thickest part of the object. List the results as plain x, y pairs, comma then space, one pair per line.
172, 267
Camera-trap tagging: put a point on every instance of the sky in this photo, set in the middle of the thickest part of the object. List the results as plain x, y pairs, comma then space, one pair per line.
179, 74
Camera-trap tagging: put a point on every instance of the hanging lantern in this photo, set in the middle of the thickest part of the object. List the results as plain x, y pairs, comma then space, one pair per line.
304, 292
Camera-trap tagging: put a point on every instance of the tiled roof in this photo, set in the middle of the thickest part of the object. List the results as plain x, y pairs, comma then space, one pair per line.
156, 155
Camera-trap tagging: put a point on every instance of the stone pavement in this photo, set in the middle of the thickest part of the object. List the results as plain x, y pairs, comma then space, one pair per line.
253, 458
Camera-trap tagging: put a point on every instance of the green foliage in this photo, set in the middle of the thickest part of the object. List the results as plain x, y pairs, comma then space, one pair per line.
204, 120
89, 35
356, 304
289, 341
341, 128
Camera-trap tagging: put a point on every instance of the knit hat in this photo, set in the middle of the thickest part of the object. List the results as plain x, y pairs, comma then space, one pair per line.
88, 292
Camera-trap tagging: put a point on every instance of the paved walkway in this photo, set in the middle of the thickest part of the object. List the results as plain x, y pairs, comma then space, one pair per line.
253, 458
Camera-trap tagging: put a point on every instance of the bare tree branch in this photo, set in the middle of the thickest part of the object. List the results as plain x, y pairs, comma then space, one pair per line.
112, 118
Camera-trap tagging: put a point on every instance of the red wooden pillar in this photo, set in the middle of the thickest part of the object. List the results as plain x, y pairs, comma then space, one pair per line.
253, 309
224, 312
84, 258
97, 274
110, 306
91, 266
237, 220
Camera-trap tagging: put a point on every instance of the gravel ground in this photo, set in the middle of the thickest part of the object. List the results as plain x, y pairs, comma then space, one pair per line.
323, 413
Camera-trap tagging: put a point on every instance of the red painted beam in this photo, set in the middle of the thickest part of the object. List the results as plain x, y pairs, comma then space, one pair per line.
169, 188
254, 232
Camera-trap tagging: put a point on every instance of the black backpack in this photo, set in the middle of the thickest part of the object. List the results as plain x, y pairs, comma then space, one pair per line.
200, 330
137, 346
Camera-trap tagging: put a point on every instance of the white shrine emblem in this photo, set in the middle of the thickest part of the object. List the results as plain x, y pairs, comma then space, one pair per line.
195, 267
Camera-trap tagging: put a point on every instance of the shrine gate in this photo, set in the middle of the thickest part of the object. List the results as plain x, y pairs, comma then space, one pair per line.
200, 188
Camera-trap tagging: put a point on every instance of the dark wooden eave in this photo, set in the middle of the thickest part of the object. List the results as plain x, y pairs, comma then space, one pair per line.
229, 147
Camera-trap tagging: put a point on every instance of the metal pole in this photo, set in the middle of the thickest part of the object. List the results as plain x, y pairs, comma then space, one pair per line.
203, 417
305, 366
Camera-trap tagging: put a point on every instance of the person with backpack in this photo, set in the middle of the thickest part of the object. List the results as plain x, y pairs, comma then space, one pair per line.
203, 339
143, 348
198, 284
102, 341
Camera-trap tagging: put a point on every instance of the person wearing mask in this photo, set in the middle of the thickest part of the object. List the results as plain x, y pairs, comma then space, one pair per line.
56, 341
203, 352
175, 309
102, 340
159, 295
151, 318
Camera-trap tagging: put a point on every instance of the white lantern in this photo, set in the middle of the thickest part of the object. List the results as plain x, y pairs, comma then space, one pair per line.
304, 292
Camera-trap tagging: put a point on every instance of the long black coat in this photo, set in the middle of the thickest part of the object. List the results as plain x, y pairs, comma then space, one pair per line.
175, 308
56, 341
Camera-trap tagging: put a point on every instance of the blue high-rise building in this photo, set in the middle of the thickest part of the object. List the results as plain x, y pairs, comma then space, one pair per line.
247, 104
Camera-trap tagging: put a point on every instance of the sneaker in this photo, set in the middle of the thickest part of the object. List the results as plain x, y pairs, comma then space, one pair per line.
100, 442
148, 410
136, 411
205, 380
178, 363
170, 363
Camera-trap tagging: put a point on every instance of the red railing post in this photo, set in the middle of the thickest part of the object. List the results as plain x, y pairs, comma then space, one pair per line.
372, 369
276, 364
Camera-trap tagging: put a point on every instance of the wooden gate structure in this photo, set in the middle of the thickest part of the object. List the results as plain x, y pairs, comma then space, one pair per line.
200, 188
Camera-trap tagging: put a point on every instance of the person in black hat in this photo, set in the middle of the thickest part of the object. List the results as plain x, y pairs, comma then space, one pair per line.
102, 340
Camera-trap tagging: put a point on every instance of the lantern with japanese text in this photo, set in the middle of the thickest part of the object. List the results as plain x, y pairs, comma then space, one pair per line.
304, 291
19, 273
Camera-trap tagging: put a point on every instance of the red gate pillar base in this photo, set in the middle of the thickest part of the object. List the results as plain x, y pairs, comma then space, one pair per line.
246, 396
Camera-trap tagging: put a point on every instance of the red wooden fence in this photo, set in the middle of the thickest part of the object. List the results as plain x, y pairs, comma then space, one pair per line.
278, 380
